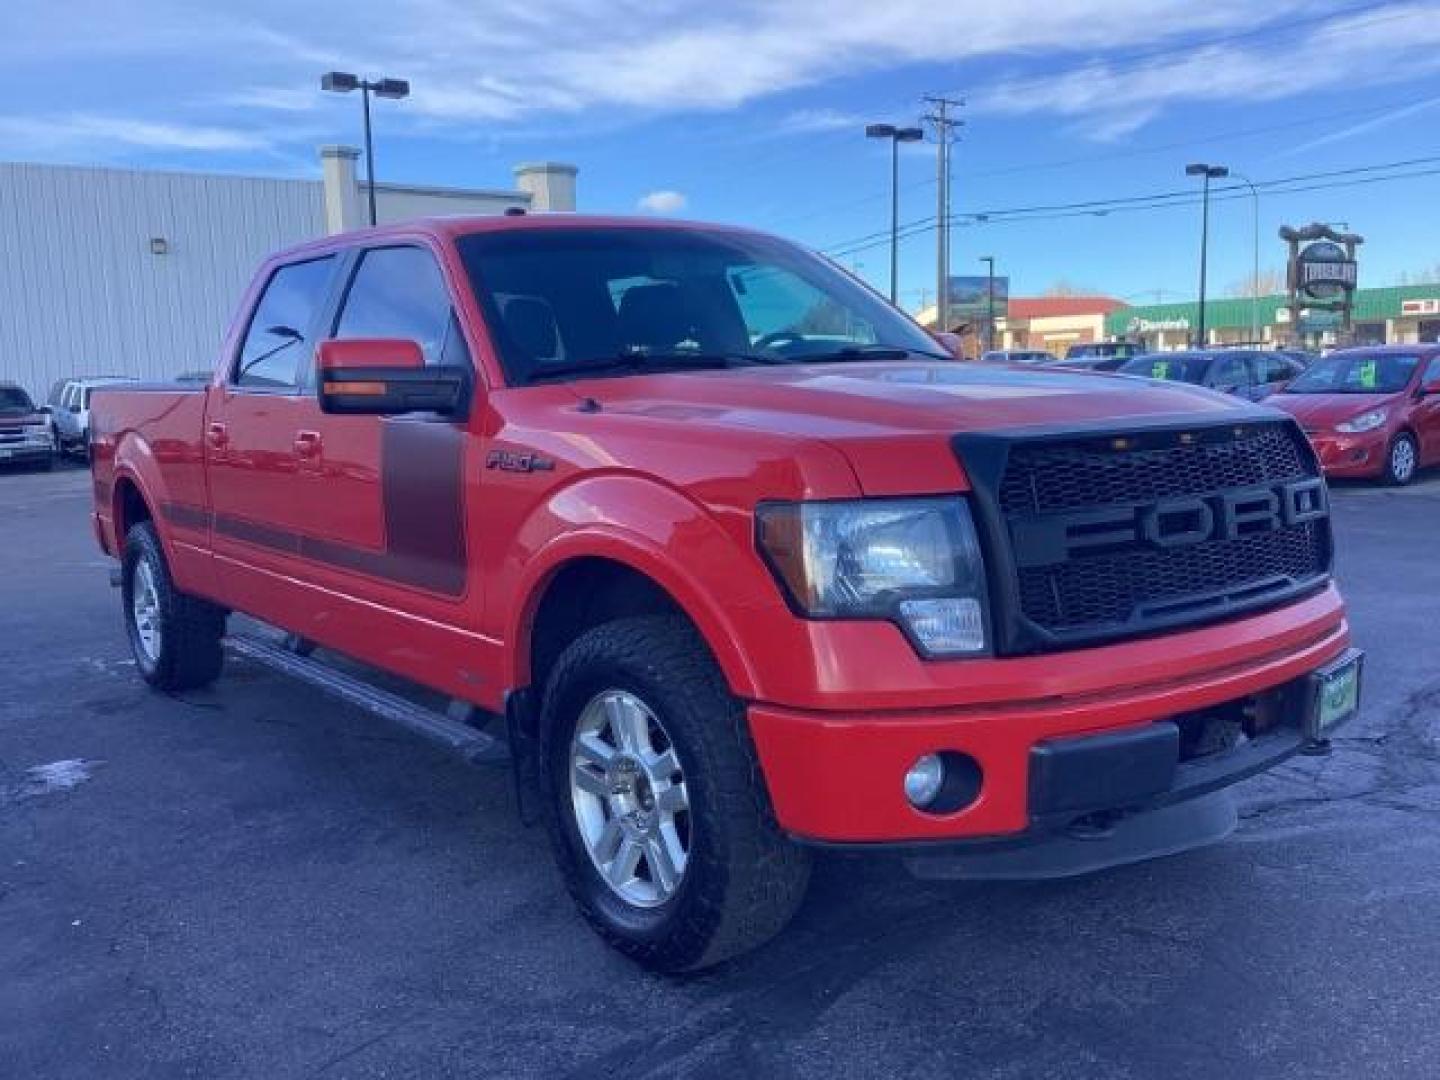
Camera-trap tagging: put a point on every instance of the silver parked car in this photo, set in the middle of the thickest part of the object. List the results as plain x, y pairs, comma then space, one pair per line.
69, 406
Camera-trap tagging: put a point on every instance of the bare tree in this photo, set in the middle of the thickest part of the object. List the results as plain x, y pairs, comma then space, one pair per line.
1068, 288
1428, 276
1268, 283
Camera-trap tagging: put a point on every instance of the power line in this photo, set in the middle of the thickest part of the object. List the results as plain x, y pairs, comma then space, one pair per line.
1161, 201
1114, 155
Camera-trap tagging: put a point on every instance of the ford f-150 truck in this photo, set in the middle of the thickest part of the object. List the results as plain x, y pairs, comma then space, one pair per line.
742, 561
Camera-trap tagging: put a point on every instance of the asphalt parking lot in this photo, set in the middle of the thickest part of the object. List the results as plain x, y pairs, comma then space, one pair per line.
261, 882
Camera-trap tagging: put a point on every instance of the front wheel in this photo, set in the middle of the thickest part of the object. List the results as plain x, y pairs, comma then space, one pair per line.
175, 638
658, 814
1401, 460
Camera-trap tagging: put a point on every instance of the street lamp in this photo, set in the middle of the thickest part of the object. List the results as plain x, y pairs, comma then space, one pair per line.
1209, 172
896, 137
342, 82
1254, 258
989, 261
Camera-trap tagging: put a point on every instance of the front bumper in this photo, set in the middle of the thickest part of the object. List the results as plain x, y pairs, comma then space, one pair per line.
1352, 456
34, 448
837, 778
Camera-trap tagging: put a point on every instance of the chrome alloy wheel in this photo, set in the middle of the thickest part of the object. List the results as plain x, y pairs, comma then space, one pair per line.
145, 610
1402, 460
628, 791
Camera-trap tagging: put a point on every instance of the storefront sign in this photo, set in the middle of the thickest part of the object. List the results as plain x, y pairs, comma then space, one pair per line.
1323, 272
1420, 307
1155, 326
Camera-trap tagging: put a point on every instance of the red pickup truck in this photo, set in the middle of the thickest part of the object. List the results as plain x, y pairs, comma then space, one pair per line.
744, 564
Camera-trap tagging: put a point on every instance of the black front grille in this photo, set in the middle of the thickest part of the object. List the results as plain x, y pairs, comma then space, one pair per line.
1119, 534
1066, 476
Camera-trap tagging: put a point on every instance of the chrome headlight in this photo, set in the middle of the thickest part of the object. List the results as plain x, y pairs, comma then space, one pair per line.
1367, 421
915, 562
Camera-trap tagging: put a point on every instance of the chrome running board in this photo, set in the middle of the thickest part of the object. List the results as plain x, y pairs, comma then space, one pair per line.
449, 731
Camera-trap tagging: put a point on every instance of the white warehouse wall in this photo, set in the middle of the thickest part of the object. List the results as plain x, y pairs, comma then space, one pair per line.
81, 292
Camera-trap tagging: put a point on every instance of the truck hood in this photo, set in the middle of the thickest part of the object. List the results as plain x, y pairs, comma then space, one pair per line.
844, 401
893, 422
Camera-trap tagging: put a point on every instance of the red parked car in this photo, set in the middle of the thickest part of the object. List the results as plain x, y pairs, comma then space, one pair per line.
1371, 412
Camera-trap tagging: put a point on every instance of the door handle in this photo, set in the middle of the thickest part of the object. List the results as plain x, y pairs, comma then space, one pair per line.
217, 436
308, 444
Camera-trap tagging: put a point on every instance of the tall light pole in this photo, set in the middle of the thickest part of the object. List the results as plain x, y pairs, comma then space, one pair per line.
1209, 172
1254, 257
989, 261
342, 82
945, 125
896, 137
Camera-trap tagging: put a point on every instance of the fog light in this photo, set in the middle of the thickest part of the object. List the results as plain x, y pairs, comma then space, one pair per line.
924, 781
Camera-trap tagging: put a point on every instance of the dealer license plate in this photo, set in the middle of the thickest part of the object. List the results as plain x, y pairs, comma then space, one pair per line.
1337, 694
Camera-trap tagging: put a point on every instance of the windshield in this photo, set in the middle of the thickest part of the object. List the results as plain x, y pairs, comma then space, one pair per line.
14, 400
1099, 349
1356, 374
597, 301
1175, 367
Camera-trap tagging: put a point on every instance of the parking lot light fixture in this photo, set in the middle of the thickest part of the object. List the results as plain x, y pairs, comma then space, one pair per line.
1207, 173
896, 135
342, 82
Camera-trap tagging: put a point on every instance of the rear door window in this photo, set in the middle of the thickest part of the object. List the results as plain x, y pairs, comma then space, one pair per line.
1229, 373
279, 336
399, 292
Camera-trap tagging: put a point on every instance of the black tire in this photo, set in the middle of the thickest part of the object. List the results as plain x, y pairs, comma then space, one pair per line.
189, 654
1395, 474
743, 879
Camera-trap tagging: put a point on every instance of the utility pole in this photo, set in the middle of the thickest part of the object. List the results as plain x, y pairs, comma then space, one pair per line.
944, 125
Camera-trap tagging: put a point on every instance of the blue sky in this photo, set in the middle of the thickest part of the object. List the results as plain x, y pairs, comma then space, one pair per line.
753, 112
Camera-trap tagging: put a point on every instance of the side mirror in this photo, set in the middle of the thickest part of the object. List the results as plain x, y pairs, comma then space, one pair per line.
383, 377
1430, 389
952, 343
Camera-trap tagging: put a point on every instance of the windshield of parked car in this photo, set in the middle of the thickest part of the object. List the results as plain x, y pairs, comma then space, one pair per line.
1175, 367
1102, 348
14, 401
1386, 373
581, 302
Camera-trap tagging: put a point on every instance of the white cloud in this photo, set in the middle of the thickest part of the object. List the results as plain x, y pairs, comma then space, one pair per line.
497, 64
806, 121
1381, 46
77, 130
662, 202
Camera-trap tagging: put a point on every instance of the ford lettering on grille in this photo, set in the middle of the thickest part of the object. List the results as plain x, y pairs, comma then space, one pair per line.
1167, 523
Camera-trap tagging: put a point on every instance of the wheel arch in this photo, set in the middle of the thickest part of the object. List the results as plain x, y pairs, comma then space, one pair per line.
613, 577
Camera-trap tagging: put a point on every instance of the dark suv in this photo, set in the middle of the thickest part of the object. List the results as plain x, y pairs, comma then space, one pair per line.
25, 433
1250, 374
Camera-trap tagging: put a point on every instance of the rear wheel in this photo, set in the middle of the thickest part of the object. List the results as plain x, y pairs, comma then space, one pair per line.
1401, 460
175, 637
658, 814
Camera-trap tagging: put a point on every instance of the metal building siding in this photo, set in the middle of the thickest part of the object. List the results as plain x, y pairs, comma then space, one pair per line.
80, 291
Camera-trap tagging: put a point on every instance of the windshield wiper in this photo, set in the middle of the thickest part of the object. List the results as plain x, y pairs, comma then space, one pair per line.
635, 362
866, 352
